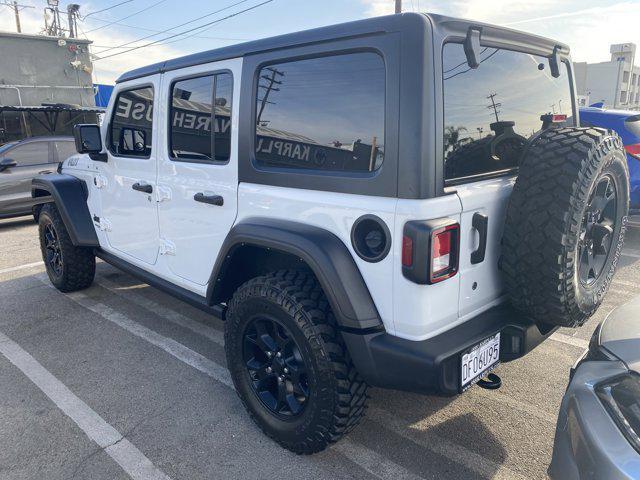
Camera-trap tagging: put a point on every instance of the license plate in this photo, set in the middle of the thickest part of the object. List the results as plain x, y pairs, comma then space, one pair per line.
479, 360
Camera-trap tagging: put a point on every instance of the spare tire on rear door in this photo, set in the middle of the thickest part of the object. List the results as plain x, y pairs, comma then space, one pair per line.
565, 224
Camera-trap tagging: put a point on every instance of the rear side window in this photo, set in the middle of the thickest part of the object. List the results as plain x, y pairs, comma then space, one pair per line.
193, 115
490, 112
32, 153
322, 113
131, 130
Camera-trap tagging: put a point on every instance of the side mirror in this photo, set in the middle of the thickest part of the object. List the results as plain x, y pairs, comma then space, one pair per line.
87, 137
6, 163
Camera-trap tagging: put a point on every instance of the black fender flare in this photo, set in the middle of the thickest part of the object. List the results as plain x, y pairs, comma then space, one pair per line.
322, 251
70, 196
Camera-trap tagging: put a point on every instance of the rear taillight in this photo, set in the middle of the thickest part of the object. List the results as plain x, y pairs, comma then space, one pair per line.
633, 150
430, 250
445, 245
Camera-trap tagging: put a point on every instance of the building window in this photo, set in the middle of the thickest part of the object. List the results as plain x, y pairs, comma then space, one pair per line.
131, 130
322, 113
625, 77
623, 96
633, 79
637, 97
192, 115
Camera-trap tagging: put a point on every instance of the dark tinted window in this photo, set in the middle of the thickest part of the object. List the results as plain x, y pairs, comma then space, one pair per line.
32, 153
322, 113
192, 116
65, 150
131, 130
490, 112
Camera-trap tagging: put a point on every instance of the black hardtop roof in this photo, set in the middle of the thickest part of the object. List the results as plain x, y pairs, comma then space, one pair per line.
369, 26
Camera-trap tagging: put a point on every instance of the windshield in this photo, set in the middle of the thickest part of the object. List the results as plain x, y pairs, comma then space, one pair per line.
490, 112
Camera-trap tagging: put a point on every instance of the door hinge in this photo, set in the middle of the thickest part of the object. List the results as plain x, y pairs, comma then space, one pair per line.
162, 193
102, 223
100, 181
167, 247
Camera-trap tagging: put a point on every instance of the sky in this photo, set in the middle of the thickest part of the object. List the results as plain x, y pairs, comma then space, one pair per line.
588, 26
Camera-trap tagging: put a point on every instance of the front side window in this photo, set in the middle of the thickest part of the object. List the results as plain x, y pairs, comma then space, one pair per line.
32, 153
193, 114
131, 130
322, 113
491, 112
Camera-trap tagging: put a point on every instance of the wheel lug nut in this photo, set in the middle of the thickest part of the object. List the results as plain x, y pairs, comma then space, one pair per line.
286, 370
269, 369
269, 354
279, 354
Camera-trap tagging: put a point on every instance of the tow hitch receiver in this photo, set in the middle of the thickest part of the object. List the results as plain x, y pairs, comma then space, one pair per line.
490, 382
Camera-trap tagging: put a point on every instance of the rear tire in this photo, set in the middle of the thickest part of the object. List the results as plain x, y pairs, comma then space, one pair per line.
323, 403
565, 224
69, 268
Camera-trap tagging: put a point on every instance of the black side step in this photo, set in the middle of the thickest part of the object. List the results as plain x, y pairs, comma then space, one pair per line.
180, 293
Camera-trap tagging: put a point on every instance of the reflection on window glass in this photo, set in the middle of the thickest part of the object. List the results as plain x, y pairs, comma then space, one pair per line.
491, 112
192, 116
32, 153
131, 130
322, 113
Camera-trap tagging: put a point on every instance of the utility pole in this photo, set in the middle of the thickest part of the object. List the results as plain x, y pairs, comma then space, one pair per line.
398, 6
268, 89
16, 7
494, 105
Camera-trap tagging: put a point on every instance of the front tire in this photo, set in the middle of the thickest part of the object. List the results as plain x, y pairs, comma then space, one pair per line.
69, 268
289, 364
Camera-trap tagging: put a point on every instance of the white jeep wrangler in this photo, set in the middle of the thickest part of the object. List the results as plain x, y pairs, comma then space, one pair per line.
402, 202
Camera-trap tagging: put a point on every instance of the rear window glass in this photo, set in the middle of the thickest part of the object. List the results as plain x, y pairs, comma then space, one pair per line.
490, 112
322, 113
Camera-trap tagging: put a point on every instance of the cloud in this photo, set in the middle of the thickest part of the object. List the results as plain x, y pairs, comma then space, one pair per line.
589, 27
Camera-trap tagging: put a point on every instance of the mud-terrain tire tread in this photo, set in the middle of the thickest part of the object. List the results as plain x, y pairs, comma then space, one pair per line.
299, 294
544, 219
79, 262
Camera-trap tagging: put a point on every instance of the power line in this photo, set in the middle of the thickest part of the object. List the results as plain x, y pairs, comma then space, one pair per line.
160, 31
186, 31
108, 8
128, 16
174, 27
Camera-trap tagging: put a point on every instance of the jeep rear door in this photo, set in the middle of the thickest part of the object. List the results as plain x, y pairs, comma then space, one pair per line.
490, 113
198, 167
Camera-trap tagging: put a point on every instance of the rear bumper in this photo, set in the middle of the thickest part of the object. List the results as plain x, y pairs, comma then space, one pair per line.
433, 365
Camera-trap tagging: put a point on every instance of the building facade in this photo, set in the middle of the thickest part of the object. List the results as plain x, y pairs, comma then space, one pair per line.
616, 82
37, 70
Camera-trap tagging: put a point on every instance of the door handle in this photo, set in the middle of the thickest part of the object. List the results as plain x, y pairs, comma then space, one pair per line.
142, 187
44, 172
210, 199
481, 224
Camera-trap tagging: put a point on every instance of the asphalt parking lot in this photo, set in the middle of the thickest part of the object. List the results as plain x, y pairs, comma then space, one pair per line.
123, 381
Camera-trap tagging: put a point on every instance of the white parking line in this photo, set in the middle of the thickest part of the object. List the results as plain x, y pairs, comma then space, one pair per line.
631, 253
439, 445
21, 267
125, 454
367, 459
168, 314
569, 340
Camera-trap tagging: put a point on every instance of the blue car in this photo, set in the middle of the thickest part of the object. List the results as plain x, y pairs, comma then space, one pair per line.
627, 124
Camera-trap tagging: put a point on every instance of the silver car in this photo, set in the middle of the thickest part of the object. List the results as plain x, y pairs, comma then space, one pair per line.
598, 431
21, 161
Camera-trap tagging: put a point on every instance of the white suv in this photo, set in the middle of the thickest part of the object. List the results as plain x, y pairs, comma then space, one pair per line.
344, 198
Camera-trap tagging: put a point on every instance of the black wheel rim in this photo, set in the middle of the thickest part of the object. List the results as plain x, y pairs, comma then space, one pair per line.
53, 253
596, 235
277, 371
